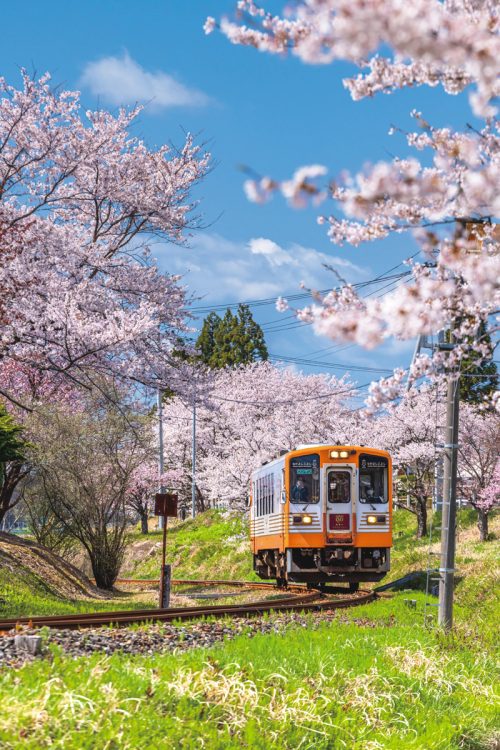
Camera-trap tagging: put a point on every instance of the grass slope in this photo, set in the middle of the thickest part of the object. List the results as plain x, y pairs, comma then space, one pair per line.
35, 581
212, 545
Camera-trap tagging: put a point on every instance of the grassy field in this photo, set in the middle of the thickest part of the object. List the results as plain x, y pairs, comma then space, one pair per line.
375, 677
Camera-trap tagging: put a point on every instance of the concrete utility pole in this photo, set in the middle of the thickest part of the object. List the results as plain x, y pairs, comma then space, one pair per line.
193, 462
447, 566
161, 467
424, 343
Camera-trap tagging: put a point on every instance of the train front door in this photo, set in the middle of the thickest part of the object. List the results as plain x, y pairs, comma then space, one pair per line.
339, 504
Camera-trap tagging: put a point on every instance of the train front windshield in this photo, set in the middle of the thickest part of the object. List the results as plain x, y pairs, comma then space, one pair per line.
304, 479
373, 479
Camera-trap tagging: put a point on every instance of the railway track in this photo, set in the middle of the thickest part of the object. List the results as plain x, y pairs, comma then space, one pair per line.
302, 599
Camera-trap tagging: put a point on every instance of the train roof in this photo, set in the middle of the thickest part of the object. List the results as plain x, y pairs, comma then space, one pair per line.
309, 446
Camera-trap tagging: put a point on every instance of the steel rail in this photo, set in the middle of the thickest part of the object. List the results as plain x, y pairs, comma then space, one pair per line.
212, 582
118, 617
304, 600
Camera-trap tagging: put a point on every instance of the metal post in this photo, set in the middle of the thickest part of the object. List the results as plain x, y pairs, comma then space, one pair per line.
164, 570
446, 570
193, 461
161, 468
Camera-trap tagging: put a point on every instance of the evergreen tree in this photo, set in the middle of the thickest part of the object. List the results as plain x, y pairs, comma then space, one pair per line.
11, 443
206, 339
231, 340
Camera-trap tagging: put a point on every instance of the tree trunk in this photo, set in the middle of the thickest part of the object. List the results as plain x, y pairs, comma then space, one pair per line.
144, 522
12, 474
105, 567
421, 508
482, 525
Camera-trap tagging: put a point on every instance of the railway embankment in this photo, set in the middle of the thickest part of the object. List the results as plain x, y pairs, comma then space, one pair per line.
32, 573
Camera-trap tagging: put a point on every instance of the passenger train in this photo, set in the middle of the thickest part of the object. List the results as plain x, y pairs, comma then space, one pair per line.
323, 513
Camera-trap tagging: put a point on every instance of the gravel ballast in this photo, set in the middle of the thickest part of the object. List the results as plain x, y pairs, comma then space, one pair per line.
150, 639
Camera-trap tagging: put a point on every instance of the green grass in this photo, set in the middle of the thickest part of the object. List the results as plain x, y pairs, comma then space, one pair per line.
212, 545
371, 679
377, 677
27, 595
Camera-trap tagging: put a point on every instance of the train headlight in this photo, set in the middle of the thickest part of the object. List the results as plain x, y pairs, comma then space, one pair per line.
334, 454
372, 519
344, 454
307, 519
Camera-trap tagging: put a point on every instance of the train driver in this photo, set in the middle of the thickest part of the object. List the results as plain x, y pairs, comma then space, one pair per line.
368, 491
300, 492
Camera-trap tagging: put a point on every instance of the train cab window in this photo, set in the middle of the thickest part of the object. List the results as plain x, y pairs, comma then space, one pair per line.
304, 479
339, 487
373, 479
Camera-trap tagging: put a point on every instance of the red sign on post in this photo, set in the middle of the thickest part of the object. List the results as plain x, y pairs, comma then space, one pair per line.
166, 504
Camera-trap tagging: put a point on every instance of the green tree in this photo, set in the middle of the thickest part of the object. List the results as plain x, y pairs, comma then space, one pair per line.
231, 340
13, 468
11, 442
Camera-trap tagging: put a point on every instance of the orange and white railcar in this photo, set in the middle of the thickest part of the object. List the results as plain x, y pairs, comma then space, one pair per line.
323, 513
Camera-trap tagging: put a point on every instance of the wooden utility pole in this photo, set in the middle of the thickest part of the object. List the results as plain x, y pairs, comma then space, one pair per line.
448, 532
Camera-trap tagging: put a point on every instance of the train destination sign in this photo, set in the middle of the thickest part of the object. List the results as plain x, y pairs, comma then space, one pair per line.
373, 462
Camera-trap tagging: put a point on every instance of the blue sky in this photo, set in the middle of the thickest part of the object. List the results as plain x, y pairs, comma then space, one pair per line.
266, 112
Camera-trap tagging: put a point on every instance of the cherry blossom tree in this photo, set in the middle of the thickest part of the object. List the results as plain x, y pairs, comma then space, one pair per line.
144, 483
249, 416
79, 198
33, 389
85, 461
454, 43
478, 463
409, 431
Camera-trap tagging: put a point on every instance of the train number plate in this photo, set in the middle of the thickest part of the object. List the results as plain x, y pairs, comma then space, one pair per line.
339, 521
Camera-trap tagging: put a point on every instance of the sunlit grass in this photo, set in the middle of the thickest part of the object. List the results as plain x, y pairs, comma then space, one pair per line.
377, 676
364, 685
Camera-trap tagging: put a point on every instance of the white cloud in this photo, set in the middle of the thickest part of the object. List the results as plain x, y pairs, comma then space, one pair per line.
220, 270
307, 263
121, 80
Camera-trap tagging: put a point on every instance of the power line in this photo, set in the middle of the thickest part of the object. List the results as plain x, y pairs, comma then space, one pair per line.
353, 389
340, 365
295, 296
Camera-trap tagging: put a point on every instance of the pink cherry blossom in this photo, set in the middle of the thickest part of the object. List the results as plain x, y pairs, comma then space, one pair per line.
80, 198
448, 198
